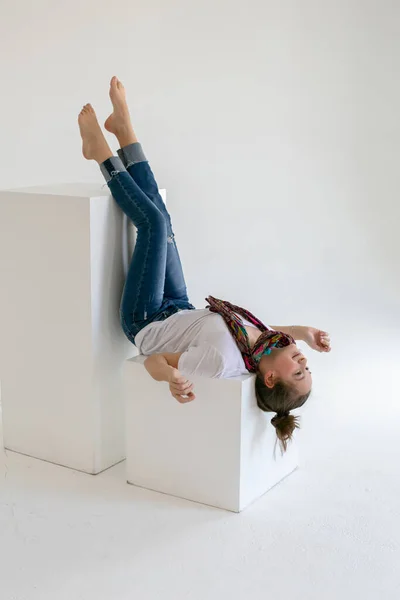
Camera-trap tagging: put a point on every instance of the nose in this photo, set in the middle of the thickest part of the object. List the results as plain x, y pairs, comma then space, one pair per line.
302, 360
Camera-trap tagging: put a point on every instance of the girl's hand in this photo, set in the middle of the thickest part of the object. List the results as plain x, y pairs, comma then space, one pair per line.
180, 388
317, 340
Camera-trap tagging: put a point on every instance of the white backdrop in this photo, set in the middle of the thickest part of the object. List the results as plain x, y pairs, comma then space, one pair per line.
273, 126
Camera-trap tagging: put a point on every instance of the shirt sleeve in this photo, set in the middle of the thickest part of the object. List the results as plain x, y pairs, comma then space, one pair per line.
203, 360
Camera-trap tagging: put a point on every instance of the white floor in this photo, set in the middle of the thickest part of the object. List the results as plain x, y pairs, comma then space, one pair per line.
330, 531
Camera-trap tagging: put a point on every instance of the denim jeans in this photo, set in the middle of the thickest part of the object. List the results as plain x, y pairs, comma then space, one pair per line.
155, 285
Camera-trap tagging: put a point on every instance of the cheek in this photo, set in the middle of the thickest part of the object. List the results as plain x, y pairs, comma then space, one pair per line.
284, 365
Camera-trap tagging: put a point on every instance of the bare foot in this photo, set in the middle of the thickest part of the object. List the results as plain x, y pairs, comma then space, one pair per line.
94, 146
119, 122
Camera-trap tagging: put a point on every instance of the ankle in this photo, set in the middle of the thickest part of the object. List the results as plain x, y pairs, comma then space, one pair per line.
102, 154
125, 136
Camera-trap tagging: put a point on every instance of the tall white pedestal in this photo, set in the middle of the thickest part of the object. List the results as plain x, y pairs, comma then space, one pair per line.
219, 449
61, 345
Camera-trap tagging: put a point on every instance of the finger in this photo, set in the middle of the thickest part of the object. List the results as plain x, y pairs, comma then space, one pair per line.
179, 380
182, 388
180, 385
322, 347
180, 399
184, 399
185, 391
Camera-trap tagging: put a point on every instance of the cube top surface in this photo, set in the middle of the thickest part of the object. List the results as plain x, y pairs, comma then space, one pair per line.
78, 190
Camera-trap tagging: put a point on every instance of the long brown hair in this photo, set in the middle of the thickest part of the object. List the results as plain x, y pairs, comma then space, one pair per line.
280, 399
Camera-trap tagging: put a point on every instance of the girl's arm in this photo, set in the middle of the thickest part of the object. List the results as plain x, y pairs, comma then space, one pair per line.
164, 367
161, 366
316, 338
296, 331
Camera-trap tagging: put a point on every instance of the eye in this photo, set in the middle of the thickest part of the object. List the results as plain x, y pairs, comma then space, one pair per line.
298, 373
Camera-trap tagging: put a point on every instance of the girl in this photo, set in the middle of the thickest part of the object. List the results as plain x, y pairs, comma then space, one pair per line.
221, 340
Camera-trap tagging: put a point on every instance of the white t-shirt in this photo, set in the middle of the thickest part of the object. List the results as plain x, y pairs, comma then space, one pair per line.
203, 338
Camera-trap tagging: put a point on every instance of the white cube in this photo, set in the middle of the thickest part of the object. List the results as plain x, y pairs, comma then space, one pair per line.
63, 252
220, 449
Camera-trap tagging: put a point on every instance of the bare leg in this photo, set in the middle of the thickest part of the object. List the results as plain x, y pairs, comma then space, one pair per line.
95, 146
119, 122
143, 296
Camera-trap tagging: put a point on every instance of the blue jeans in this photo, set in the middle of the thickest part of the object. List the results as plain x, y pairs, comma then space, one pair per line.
155, 285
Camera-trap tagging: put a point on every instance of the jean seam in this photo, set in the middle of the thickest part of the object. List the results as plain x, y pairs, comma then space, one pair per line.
117, 179
128, 331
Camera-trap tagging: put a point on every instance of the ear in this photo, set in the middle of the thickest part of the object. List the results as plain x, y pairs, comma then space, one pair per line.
269, 379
